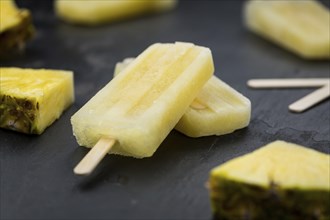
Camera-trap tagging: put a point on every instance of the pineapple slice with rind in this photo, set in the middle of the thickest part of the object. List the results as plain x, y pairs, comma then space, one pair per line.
218, 109
301, 26
94, 12
32, 99
15, 28
278, 181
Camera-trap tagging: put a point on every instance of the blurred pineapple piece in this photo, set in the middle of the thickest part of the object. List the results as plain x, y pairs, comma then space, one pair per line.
301, 26
15, 28
94, 12
31, 100
278, 181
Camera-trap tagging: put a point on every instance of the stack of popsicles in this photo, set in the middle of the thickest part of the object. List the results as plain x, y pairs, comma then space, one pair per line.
218, 108
167, 85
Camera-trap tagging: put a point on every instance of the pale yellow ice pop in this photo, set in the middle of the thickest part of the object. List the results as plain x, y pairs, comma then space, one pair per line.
142, 105
218, 108
301, 26
94, 12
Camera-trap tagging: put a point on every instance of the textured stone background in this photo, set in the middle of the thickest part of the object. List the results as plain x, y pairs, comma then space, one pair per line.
37, 181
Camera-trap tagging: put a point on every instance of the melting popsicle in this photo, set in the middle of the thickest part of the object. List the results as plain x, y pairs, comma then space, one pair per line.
218, 109
142, 105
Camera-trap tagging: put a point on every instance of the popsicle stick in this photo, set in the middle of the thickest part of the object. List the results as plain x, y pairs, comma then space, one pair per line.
197, 105
311, 99
94, 156
288, 83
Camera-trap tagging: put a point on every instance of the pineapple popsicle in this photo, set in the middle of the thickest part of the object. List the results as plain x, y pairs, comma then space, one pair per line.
32, 99
218, 109
299, 26
141, 106
94, 12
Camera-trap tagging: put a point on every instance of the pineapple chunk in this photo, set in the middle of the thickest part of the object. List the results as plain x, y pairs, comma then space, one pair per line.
15, 27
94, 12
218, 109
31, 100
279, 181
299, 26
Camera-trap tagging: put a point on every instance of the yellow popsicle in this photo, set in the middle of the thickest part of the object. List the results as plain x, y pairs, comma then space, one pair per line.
142, 105
94, 12
218, 108
301, 26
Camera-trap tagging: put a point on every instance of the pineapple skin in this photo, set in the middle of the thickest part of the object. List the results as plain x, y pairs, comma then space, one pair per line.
29, 108
19, 114
232, 199
236, 193
16, 28
301, 26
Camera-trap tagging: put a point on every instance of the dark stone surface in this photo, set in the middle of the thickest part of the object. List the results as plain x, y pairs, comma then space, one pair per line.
37, 181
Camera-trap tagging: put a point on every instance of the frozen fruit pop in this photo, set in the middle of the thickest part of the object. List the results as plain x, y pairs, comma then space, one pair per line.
218, 109
32, 99
139, 107
299, 26
94, 12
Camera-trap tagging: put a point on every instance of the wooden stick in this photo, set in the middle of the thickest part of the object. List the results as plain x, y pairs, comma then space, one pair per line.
197, 105
288, 83
94, 156
311, 99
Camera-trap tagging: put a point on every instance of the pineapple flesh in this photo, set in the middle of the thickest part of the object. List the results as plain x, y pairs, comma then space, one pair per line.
218, 109
31, 99
15, 28
94, 12
278, 181
301, 26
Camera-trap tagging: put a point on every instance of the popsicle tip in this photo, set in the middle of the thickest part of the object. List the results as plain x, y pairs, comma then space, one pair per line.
94, 156
81, 172
294, 108
250, 83
311, 99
